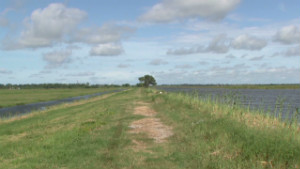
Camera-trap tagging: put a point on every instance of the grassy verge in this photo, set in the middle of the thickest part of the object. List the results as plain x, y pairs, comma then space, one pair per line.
94, 134
84, 134
26, 96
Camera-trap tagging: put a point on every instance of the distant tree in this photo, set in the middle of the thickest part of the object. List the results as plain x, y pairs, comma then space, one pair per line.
147, 80
126, 85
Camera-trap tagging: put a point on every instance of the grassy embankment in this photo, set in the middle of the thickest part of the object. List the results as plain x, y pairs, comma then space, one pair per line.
94, 134
26, 96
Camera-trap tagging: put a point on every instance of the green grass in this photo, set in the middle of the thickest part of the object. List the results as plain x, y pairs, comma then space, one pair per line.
94, 134
215, 135
25, 96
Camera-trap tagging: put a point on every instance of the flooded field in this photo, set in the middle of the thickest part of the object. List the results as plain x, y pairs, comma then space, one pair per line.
21, 109
273, 101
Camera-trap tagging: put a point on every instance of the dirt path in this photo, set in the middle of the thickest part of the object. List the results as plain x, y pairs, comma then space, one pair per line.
150, 125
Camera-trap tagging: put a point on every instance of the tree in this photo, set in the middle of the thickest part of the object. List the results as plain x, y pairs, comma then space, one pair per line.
126, 85
147, 80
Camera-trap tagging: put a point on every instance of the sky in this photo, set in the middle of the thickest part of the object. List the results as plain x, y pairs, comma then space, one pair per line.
176, 41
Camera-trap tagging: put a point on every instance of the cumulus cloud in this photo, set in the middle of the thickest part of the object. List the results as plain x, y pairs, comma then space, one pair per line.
288, 35
248, 42
57, 23
173, 10
107, 33
108, 49
219, 44
157, 62
185, 51
56, 59
47, 26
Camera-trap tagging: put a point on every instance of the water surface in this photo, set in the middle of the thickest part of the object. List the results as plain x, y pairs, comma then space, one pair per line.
22, 109
273, 101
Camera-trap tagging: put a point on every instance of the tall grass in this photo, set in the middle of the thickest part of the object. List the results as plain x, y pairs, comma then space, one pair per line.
231, 104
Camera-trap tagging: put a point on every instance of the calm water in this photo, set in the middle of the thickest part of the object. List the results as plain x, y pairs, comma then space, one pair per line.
18, 110
272, 101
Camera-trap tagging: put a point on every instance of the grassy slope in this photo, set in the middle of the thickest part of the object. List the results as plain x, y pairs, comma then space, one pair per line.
25, 96
93, 134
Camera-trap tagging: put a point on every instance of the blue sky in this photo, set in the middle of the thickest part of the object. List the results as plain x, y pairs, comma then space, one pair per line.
176, 41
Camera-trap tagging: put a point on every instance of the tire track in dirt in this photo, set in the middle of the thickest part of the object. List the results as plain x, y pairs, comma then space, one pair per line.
150, 125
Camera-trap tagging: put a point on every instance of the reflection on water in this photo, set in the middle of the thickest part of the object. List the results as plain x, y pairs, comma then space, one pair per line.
274, 101
18, 110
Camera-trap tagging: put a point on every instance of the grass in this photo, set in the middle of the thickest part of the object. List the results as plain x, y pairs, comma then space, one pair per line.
94, 134
26, 96
224, 136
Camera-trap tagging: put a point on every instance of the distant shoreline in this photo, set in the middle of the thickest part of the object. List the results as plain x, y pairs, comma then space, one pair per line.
238, 86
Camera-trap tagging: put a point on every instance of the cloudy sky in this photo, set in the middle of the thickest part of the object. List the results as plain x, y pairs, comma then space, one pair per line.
176, 41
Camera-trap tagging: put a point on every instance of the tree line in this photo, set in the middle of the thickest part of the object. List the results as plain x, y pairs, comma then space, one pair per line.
145, 81
58, 86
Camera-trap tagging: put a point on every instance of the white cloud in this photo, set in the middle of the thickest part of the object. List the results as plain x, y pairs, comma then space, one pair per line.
109, 49
288, 35
157, 62
173, 10
248, 42
236, 74
47, 26
107, 33
57, 58
220, 44
186, 51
